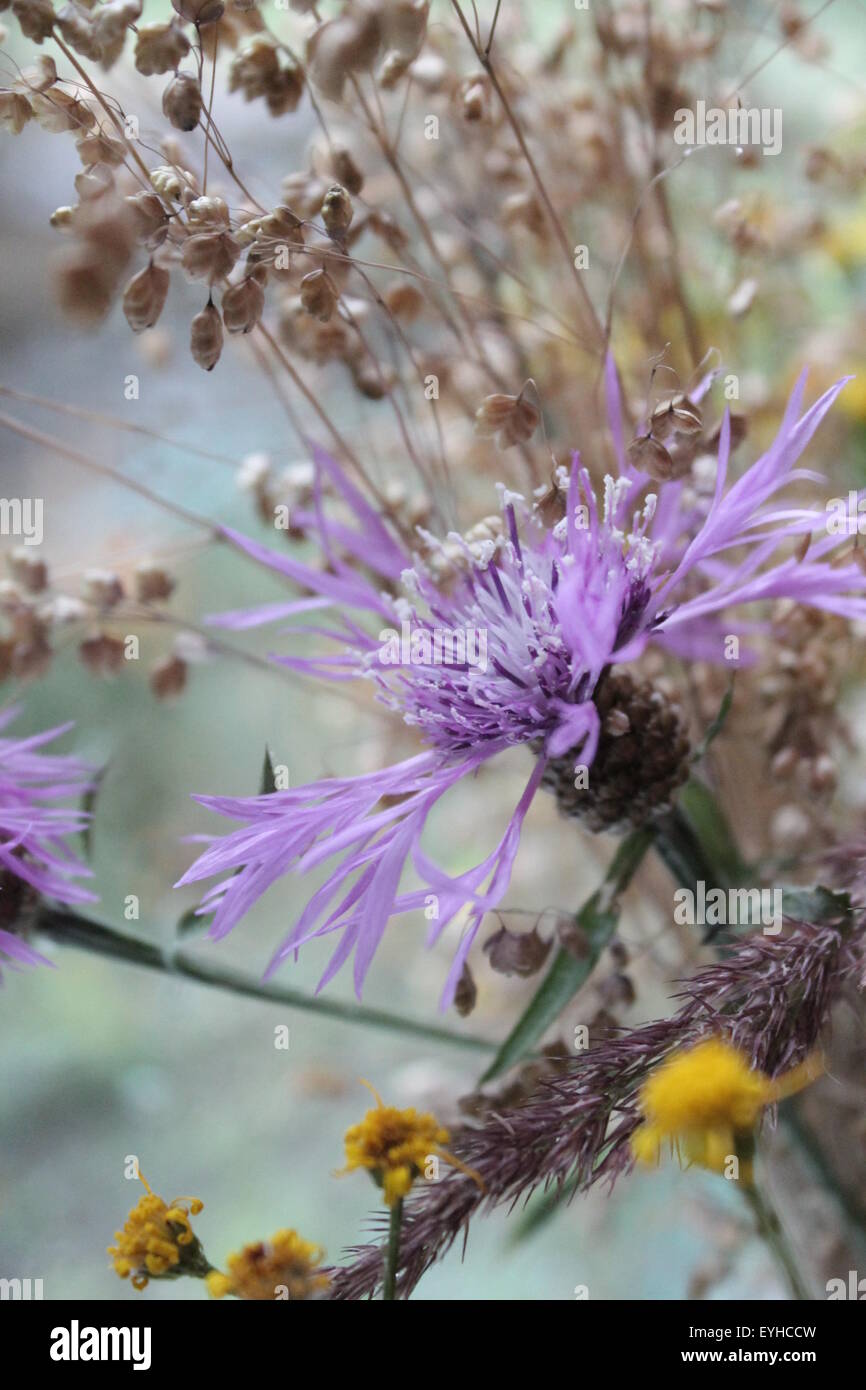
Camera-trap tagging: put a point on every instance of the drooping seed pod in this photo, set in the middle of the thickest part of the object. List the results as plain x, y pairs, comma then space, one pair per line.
319, 295
181, 101
36, 17
110, 24
513, 419
346, 170
337, 211
41, 76
152, 582
15, 112
199, 12
102, 654
95, 147
149, 213
516, 953
168, 677
405, 301
466, 993
28, 570
243, 305
208, 212
160, 48
103, 588
674, 417
206, 337
56, 111
209, 255
649, 455
144, 297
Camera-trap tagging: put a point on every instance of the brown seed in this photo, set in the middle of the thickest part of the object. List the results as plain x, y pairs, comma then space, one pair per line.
28, 570
152, 582
102, 654
206, 337
512, 953
145, 296
168, 677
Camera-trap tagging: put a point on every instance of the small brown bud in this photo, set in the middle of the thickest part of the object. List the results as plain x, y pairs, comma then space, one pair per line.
206, 337
152, 583
168, 677
243, 305
181, 101
512, 953
346, 171
145, 296
319, 295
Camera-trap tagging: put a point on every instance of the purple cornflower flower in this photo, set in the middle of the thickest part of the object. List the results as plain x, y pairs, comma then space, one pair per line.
33, 829
553, 609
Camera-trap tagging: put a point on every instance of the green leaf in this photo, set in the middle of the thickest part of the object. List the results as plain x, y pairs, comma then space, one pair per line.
711, 827
718, 723
815, 905
597, 919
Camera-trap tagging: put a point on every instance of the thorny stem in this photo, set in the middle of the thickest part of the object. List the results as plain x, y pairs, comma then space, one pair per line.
69, 929
392, 1254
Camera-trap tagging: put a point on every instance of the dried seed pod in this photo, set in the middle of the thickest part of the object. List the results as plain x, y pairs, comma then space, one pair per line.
15, 112
243, 305
62, 217
209, 255
28, 570
474, 100
148, 211
346, 170
172, 184
168, 677
102, 654
514, 419
144, 297
208, 212
404, 301
372, 379
512, 953
56, 111
41, 76
103, 588
152, 582
404, 26
649, 455
181, 101
96, 148
199, 12
466, 993
319, 295
340, 46
110, 24
36, 17
674, 417
206, 337
160, 48
337, 211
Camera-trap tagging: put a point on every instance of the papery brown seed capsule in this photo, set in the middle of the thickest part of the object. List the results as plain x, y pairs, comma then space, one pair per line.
56, 111
206, 337
159, 48
319, 295
36, 18
144, 297
676, 416
199, 12
152, 582
102, 654
96, 148
148, 211
346, 170
168, 677
41, 76
15, 112
102, 588
181, 101
209, 255
513, 419
28, 570
466, 993
404, 301
243, 305
649, 456
337, 211
512, 953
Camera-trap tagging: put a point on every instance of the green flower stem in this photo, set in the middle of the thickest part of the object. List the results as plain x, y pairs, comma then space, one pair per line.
392, 1254
770, 1227
68, 929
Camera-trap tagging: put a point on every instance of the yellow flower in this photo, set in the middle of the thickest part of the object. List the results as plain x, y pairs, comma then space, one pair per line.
704, 1102
396, 1147
158, 1242
285, 1266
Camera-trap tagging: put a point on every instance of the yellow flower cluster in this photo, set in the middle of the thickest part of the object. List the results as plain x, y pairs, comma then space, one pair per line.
286, 1266
157, 1241
395, 1146
704, 1102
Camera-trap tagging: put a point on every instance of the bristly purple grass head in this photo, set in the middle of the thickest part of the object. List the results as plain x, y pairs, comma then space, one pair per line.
35, 825
558, 606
